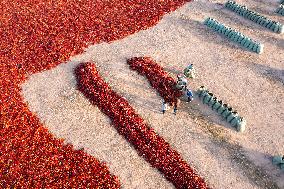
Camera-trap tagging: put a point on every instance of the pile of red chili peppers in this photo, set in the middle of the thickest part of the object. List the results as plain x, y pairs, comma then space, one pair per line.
37, 35
158, 78
148, 144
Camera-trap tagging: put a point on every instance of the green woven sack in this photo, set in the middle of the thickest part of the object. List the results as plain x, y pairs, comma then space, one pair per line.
281, 28
269, 24
244, 12
260, 20
276, 160
234, 7
203, 94
250, 15
227, 4
232, 37
221, 27
209, 22
259, 49
277, 28
213, 25
247, 43
264, 22
221, 109
282, 166
256, 18
243, 41
231, 116
234, 122
226, 112
207, 98
273, 26
241, 38
212, 101
251, 46
217, 105
206, 21
254, 49
227, 32
200, 90
217, 27
253, 17
223, 32
236, 38
241, 125
231, 34
238, 10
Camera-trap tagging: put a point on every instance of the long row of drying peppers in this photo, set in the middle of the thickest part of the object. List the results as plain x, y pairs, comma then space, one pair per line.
36, 36
153, 148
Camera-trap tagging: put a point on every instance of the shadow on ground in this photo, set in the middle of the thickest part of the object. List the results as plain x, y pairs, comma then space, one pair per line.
237, 154
272, 74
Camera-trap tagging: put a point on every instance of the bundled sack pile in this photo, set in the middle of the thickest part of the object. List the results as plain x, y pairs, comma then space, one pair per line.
234, 35
255, 17
222, 109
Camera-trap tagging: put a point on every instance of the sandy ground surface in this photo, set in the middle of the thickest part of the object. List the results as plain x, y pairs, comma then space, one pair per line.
252, 84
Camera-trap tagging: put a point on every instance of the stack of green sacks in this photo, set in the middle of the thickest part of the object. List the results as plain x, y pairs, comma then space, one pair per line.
280, 9
234, 35
255, 17
223, 110
282, 2
278, 160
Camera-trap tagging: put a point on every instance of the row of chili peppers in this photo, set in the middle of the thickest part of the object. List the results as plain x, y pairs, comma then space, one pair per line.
128, 123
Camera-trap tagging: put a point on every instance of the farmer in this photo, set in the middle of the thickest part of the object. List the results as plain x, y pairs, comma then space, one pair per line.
189, 71
181, 82
189, 95
176, 104
165, 107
